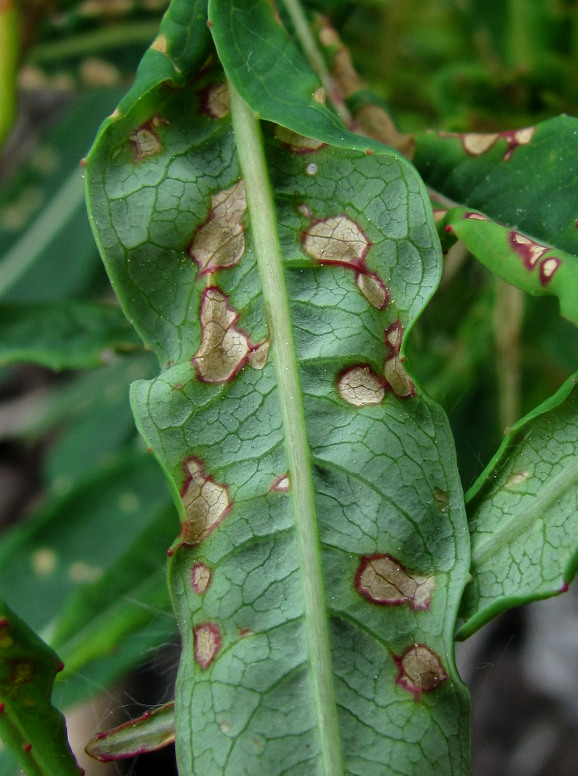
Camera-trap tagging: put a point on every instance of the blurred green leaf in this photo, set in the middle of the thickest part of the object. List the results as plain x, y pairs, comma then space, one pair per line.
63, 335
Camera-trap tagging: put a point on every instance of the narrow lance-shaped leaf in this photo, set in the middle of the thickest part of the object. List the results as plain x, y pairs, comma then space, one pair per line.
181, 234
524, 513
517, 192
30, 726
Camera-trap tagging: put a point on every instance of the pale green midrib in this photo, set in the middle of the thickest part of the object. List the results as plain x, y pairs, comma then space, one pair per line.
276, 299
38, 236
526, 517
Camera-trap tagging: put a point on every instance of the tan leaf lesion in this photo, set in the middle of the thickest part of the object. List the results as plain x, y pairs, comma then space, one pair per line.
206, 503
382, 579
360, 386
420, 670
220, 242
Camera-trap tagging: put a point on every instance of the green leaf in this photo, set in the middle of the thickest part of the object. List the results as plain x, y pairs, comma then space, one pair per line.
304, 475
523, 182
46, 246
523, 513
63, 336
152, 730
30, 726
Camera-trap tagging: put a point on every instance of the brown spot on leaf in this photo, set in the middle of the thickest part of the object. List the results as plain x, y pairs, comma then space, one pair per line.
382, 580
207, 643
6, 640
420, 670
215, 101
298, 144
336, 240
373, 289
206, 503
280, 484
548, 268
360, 386
441, 498
476, 143
200, 577
224, 348
259, 355
220, 242
529, 251
145, 141
319, 95
394, 338
21, 672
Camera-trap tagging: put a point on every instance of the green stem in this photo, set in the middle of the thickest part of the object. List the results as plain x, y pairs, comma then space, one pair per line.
508, 312
314, 56
22, 255
270, 262
112, 37
9, 50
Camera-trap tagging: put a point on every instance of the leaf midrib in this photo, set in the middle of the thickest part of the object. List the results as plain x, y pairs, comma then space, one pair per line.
526, 517
276, 302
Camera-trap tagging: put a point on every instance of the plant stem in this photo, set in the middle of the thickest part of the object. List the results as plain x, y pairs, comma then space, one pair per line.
39, 235
110, 37
507, 324
270, 262
9, 50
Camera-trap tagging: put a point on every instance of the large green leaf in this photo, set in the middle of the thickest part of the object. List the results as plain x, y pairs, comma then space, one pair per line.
323, 547
516, 191
524, 513
30, 726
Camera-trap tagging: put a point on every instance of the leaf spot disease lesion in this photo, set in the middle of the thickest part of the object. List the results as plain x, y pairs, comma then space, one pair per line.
219, 243
160, 44
145, 140
281, 484
383, 580
420, 670
394, 372
200, 577
296, 143
478, 143
338, 240
206, 503
532, 252
206, 643
360, 386
224, 348
215, 101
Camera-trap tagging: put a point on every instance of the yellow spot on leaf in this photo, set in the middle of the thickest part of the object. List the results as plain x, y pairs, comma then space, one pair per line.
83, 572
160, 44
220, 242
200, 577
360, 386
44, 561
319, 95
206, 503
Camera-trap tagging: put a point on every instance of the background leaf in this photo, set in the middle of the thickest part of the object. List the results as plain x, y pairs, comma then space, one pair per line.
30, 726
523, 512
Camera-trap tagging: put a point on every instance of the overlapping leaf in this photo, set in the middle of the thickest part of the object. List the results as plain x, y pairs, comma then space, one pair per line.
361, 260
30, 726
518, 190
523, 513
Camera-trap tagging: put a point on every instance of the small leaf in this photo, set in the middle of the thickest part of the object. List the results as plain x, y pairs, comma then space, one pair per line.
523, 514
523, 182
151, 731
30, 726
63, 336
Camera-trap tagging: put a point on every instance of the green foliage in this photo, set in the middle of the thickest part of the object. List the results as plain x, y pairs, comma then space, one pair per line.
273, 247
